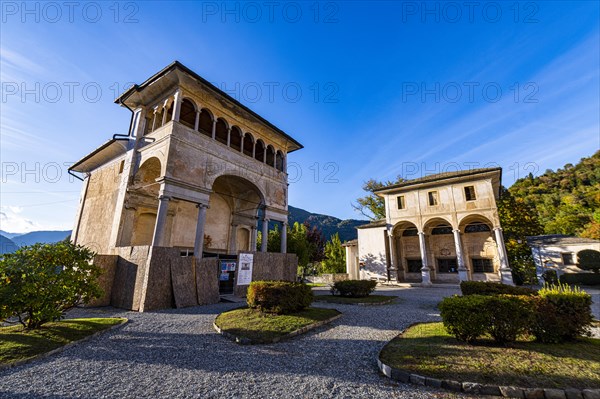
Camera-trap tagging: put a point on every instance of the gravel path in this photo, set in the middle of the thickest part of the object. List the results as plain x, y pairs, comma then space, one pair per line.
177, 354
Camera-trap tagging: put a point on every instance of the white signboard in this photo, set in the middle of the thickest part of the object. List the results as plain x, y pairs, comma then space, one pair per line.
244, 276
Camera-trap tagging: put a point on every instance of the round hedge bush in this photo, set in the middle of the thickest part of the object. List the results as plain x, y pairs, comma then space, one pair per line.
279, 297
354, 288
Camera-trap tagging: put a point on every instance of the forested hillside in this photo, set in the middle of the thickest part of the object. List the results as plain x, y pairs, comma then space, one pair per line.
567, 200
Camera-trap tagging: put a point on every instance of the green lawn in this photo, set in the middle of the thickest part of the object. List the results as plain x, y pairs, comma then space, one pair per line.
259, 327
16, 343
427, 349
371, 299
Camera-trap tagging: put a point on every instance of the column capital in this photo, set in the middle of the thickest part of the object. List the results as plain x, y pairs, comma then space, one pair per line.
456, 231
201, 205
164, 198
497, 228
421, 233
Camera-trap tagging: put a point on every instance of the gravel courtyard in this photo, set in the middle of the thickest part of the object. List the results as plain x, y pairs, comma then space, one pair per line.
177, 354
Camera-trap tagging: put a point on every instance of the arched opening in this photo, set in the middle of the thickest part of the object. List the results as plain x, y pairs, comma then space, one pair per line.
169, 112
441, 249
221, 131
279, 161
143, 201
480, 247
235, 138
187, 116
407, 251
259, 153
248, 144
205, 124
270, 156
233, 205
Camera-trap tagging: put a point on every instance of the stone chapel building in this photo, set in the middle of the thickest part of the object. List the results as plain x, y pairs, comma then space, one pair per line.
438, 228
198, 173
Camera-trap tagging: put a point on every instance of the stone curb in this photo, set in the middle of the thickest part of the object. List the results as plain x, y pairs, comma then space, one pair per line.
248, 341
484, 389
62, 348
361, 303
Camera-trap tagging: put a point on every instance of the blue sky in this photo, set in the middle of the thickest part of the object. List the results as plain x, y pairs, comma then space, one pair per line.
371, 89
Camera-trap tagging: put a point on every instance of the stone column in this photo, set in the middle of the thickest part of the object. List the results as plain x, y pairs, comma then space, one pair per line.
176, 106
161, 221
505, 273
395, 259
197, 121
265, 235
214, 129
284, 237
242, 143
253, 233
254, 149
199, 239
165, 109
154, 119
463, 274
425, 276
390, 239
228, 137
233, 239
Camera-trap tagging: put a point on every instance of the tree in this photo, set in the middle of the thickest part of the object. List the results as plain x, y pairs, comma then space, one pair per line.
372, 205
335, 256
518, 220
39, 283
589, 259
592, 230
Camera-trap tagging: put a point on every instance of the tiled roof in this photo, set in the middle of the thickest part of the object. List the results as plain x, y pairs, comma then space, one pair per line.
554, 239
375, 223
440, 176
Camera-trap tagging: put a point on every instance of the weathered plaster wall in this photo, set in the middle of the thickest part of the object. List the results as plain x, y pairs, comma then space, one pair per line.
551, 255
99, 207
371, 252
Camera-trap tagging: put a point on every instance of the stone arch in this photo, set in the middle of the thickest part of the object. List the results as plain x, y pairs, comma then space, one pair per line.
248, 144
235, 138
187, 116
144, 181
279, 161
434, 222
233, 204
472, 220
205, 124
270, 155
480, 246
259, 152
221, 131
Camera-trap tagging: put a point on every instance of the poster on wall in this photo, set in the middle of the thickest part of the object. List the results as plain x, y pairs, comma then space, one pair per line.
245, 269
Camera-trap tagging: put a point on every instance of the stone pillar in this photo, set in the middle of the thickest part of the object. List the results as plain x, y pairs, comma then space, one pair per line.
214, 129
463, 274
254, 149
199, 239
505, 273
284, 237
154, 119
164, 112
228, 137
265, 235
253, 233
425, 276
395, 260
197, 121
233, 239
176, 106
161, 221
242, 143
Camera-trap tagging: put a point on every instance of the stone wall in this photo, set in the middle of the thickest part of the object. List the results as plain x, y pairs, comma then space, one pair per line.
271, 266
108, 264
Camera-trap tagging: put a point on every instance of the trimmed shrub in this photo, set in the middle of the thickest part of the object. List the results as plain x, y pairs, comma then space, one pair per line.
562, 313
509, 316
39, 283
580, 278
589, 259
354, 288
463, 316
492, 288
279, 297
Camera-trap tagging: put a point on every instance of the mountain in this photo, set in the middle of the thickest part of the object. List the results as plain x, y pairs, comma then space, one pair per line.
328, 225
7, 245
9, 235
567, 200
46, 237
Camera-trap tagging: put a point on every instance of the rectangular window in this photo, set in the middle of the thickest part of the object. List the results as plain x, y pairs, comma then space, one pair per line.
470, 193
400, 200
433, 198
568, 258
482, 265
414, 265
447, 265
